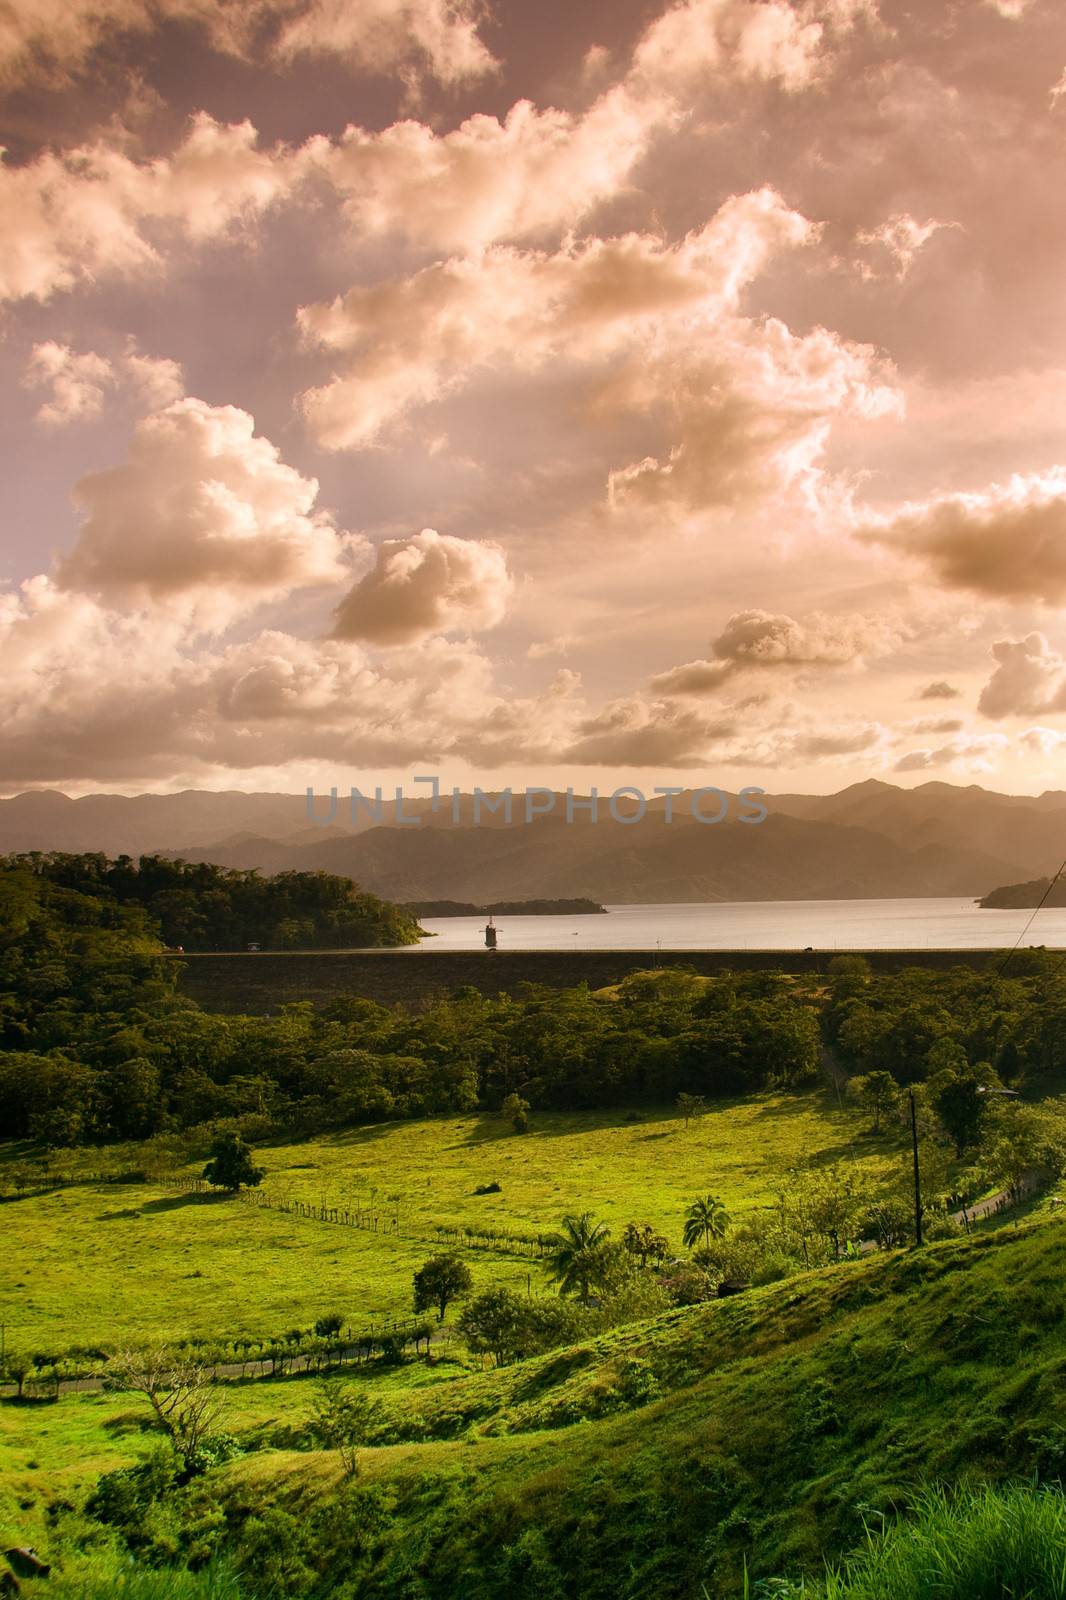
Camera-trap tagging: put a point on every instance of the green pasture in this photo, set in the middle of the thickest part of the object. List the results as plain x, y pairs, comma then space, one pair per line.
99, 1264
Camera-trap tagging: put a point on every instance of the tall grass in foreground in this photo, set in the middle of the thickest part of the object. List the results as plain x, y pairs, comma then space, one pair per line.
986, 1544
103, 1577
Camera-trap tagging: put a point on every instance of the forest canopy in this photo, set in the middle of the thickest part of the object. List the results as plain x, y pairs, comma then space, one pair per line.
203, 907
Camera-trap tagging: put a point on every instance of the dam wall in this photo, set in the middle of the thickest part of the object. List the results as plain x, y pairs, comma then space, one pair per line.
260, 982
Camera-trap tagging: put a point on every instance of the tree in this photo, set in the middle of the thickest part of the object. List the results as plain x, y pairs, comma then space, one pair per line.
326, 1326
574, 1255
343, 1419
517, 1110
691, 1105
493, 1325
439, 1281
962, 1106
706, 1219
184, 1401
231, 1164
878, 1092
642, 1241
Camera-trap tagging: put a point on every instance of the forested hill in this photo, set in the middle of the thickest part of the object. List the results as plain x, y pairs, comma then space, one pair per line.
1021, 896
199, 906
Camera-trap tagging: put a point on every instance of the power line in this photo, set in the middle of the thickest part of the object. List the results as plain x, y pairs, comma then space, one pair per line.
1032, 918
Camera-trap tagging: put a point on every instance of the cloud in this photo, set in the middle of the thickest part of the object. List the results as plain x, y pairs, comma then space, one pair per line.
1029, 680
646, 326
791, 45
757, 640
75, 216
540, 170
157, 380
130, 696
1043, 741
559, 645
979, 754
532, 173
93, 211
418, 338
203, 514
127, 696
54, 39
636, 732
939, 691
411, 37
903, 238
938, 725
79, 381
431, 583
1008, 540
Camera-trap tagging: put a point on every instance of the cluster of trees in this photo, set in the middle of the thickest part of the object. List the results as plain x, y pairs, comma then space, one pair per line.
203, 907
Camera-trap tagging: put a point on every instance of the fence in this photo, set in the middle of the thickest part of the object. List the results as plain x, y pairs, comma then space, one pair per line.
372, 1220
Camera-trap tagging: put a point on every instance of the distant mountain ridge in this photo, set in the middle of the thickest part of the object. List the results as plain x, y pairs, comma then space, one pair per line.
870, 840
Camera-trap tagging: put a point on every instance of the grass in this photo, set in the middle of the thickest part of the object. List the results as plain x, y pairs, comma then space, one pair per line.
170, 1265
980, 1545
653, 1462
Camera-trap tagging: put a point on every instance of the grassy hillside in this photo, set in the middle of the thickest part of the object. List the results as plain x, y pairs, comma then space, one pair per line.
652, 1462
175, 1265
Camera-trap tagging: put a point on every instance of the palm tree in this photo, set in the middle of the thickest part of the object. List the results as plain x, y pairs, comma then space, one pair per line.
706, 1219
575, 1252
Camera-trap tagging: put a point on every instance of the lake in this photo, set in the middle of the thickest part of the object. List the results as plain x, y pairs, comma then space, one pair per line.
762, 925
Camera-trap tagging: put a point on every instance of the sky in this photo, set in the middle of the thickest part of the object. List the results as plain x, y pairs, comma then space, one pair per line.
576, 394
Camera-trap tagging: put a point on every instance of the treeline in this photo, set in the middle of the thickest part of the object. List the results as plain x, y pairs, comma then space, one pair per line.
198, 906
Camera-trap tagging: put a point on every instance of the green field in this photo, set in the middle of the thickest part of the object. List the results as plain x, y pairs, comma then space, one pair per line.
100, 1264
659, 1458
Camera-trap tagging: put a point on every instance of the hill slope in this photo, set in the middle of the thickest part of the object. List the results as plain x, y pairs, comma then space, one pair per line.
651, 1463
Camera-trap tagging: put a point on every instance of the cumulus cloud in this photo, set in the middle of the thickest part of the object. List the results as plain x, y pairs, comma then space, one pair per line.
54, 39
756, 640
530, 173
637, 731
157, 380
202, 514
79, 380
939, 690
74, 216
772, 42
1029, 679
1008, 540
77, 215
649, 326
418, 338
431, 583
412, 37
154, 701
541, 170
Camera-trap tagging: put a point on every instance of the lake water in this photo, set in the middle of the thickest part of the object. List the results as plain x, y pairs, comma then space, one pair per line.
763, 925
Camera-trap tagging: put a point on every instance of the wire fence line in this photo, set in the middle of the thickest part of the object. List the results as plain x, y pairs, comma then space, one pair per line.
532, 1246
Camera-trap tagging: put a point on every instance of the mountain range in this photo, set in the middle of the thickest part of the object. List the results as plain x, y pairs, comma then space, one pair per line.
870, 840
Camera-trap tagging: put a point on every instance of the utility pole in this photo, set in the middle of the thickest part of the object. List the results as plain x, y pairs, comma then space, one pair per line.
917, 1174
